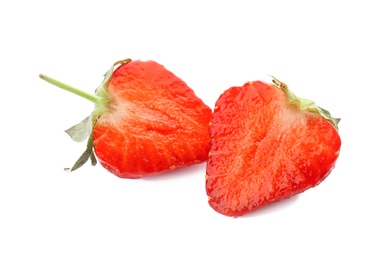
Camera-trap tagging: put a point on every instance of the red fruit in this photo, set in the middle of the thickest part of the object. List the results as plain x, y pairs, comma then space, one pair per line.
146, 121
267, 145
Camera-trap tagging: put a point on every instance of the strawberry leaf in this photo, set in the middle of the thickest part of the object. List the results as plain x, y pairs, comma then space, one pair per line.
81, 131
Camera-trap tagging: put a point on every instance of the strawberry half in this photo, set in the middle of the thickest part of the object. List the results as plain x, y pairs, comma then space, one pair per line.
267, 145
146, 121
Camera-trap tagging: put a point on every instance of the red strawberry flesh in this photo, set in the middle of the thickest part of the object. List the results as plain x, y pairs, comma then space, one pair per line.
264, 149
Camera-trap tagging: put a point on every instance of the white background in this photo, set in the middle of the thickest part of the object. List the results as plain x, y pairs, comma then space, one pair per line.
333, 52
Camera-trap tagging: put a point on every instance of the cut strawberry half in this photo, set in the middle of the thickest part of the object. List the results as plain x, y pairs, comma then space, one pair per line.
267, 145
146, 121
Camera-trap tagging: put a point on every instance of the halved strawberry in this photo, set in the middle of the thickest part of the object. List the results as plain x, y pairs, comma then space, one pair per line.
267, 145
146, 121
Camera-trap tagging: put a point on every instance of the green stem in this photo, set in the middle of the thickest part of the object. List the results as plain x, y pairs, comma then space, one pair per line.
90, 97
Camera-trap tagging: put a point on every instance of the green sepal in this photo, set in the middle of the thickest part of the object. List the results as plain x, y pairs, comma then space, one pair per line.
304, 104
81, 131
88, 154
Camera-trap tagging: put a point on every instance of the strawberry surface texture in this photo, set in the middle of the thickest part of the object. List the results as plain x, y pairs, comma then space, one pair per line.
267, 145
146, 121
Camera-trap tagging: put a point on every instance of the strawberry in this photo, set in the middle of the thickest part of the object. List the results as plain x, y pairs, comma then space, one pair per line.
146, 121
267, 145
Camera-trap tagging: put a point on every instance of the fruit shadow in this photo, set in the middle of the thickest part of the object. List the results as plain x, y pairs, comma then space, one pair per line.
182, 172
272, 207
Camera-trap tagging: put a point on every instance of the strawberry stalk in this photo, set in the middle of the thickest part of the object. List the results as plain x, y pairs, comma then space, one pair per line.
83, 130
93, 98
